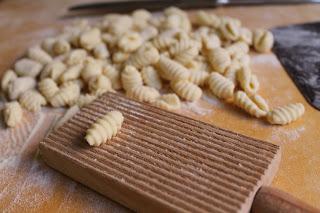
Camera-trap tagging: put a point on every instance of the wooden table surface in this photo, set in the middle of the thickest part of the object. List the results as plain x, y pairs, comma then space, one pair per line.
26, 184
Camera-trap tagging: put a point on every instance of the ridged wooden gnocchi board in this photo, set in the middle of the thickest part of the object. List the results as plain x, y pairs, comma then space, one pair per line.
161, 161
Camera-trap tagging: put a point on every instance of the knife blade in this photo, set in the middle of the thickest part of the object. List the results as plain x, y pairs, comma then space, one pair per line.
126, 6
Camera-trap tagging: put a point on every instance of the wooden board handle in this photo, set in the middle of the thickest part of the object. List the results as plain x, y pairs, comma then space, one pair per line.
271, 200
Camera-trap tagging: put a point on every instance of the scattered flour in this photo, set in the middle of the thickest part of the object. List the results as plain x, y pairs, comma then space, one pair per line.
282, 135
212, 100
195, 108
263, 59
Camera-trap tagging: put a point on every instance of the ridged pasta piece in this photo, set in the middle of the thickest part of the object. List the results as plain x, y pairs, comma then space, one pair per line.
99, 85
85, 99
168, 102
260, 102
140, 18
239, 48
61, 46
162, 42
113, 74
248, 82
100, 51
198, 77
32, 100
230, 28
242, 100
130, 78
47, 45
186, 90
130, 41
262, 40
20, 85
243, 59
78, 82
184, 50
219, 59
143, 94
120, 57
104, 128
121, 25
12, 114
53, 70
203, 18
146, 55
76, 56
27, 67
220, 86
151, 77
7, 78
231, 72
171, 70
254, 84
67, 95
72, 73
148, 33
91, 68
246, 35
90, 38
39, 55
285, 114
211, 41
48, 88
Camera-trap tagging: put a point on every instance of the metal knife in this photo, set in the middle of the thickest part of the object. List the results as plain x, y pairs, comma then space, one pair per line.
126, 6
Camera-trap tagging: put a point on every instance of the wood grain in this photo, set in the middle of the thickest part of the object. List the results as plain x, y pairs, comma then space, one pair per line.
25, 183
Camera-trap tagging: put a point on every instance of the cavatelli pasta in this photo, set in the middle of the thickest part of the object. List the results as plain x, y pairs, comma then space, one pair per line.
90, 38
184, 50
242, 100
91, 68
27, 67
143, 94
19, 86
12, 114
220, 86
61, 46
71, 73
100, 51
104, 128
32, 100
285, 114
67, 95
85, 99
186, 90
239, 48
76, 56
131, 78
246, 35
230, 28
231, 72
203, 18
162, 42
146, 55
171, 70
113, 74
99, 85
53, 70
120, 57
130, 42
198, 77
168, 102
219, 59
260, 102
151, 77
248, 82
39, 55
262, 40
7, 78
48, 88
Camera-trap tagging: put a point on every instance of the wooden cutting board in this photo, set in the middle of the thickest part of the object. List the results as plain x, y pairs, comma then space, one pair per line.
27, 184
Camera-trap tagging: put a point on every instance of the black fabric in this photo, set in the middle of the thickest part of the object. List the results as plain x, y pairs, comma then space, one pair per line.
298, 49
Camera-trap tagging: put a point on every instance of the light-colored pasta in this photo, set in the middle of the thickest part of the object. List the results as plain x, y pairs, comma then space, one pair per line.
130, 78
113, 74
140, 18
248, 82
171, 70
162, 42
47, 45
67, 95
78, 82
99, 85
198, 77
151, 77
12, 114
61, 46
120, 57
168, 102
242, 100
285, 114
110, 39
203, 18
220, 86
32, 100
121, 25
211, 41
143, 94
100, 51
262, 40
148, 33
130, 42
27, 67
231, 72
239, 48
20, 85
48, 88
260, 102
184, 50
7, 78
146, 55
104, 128
53, 70
243, 59
219, 59
254, 84
73, 72
186, 90
85, 99
91, 68
90, 38
66, 116
76, 56
230, 28
246, 35
39, 55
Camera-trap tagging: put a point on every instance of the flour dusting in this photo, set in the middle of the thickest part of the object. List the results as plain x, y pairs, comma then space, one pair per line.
264, 59
281, 135
195, 108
